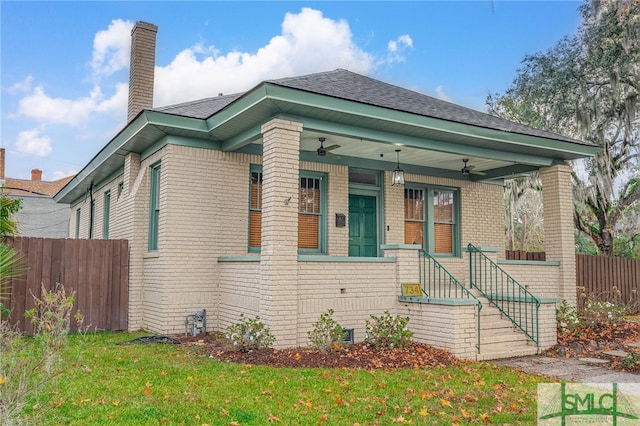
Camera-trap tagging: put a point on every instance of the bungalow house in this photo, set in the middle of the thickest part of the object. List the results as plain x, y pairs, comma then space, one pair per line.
329, 190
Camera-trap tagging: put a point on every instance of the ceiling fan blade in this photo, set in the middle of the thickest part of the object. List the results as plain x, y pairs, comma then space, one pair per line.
329, 148
332, 155
479, 173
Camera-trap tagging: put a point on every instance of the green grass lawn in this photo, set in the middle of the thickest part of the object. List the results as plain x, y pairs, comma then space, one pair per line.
106, 383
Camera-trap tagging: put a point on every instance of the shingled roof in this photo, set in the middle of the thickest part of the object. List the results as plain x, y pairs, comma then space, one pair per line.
343, 84
34, 187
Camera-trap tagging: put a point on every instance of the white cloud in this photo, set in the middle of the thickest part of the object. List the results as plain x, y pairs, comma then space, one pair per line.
440, 94
397, 48
45, 109
309, 42
59, 174
33, 143
23, 86
112, 48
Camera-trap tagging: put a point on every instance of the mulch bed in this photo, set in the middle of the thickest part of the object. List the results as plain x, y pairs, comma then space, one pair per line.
356, 355
590, 342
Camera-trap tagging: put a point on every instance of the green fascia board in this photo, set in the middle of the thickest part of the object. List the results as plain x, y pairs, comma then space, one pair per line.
107, 151
175, 121
409, 119
237, 108
119, 142
181, 141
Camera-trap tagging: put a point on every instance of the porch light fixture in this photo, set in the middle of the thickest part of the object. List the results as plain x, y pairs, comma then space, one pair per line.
398, 173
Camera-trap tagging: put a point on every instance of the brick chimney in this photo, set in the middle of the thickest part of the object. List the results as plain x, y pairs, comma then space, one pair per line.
141, 71
36, 174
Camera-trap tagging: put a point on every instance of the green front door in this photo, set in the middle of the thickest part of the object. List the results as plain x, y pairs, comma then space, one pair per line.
363, 235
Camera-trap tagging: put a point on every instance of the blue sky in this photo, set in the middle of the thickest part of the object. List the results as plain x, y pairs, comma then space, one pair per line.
64, 65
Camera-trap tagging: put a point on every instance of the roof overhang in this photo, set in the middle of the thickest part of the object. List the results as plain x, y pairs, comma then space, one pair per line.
366, 134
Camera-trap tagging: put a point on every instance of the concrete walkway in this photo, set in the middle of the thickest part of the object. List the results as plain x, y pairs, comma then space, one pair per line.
584, 370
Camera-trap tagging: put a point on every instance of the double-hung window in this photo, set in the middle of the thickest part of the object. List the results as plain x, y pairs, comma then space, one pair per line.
431, 219
312, 196
311, 212
255, 209
154, 207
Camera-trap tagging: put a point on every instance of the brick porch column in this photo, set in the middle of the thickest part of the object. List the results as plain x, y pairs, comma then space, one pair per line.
559, 237
279, 252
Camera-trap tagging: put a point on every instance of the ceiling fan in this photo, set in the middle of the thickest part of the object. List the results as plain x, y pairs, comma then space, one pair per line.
469, 169
322, 151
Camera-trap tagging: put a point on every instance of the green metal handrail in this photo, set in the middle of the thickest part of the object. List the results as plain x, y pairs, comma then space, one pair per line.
504, 292
438, 283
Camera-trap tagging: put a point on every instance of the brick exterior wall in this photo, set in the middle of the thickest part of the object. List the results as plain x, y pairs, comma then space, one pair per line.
204, 216
279, 251
559, 238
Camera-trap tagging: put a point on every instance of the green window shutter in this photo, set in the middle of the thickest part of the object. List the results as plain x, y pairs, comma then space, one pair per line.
154, 207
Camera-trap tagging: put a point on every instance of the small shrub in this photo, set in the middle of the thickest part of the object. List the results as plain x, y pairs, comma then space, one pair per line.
599, 313
326, 333
248, 334
597, 309
567, 317
388, 332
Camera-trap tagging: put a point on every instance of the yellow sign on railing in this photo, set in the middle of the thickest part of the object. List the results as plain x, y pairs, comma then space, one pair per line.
411, 289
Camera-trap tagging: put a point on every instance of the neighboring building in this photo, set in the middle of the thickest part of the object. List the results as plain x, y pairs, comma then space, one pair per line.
40, 215
287, 200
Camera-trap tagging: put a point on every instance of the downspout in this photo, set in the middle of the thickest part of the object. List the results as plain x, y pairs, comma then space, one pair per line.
91, 211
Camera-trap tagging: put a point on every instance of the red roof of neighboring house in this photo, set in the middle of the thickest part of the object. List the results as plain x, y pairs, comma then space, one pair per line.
34, 187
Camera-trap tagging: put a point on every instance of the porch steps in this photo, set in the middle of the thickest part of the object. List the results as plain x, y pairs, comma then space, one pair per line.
499, 338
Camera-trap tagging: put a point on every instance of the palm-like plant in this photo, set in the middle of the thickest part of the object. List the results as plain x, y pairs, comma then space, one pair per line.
11, 263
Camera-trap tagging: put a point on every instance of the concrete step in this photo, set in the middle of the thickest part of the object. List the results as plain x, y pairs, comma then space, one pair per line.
500, 352
499, 337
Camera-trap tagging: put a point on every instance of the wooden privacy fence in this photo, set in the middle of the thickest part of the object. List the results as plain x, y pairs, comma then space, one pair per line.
524, 255
97, 270
599, 275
